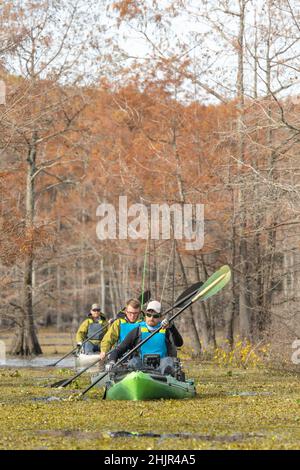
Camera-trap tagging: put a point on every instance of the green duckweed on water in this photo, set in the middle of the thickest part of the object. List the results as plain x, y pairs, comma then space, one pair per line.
233, 409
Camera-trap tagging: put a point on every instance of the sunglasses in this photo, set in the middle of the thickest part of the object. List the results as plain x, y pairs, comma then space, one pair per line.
96, 310
154, 315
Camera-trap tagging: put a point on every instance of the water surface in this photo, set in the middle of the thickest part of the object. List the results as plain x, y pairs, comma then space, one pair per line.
39, 361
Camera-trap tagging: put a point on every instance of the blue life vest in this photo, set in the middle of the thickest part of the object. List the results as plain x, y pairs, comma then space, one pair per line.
126, 327
155, 345
95, 326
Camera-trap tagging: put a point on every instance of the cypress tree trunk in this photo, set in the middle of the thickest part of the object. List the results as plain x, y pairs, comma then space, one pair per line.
244, 301
190, 320
26, 341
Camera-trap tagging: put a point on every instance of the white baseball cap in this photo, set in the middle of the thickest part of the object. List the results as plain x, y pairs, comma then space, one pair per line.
154, 305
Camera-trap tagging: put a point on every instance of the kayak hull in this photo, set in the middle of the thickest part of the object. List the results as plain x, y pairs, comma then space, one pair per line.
140, 385
85, 360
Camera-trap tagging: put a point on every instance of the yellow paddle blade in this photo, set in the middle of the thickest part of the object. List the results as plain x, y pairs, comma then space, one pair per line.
214, 283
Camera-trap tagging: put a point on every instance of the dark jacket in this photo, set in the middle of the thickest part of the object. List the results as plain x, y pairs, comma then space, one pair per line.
173, 338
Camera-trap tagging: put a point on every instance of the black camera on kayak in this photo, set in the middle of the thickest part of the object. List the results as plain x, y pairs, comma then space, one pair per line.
151, 360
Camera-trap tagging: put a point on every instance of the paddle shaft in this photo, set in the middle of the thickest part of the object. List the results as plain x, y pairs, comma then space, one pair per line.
67, 382
64, 383
85, 341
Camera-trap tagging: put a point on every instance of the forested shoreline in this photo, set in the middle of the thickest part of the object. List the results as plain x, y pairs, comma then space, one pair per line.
69, 144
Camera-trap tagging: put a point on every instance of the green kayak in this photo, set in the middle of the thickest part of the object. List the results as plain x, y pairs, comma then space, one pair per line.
140, 385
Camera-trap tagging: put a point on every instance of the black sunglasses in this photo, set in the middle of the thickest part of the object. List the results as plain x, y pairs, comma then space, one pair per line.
154, 315
96, 310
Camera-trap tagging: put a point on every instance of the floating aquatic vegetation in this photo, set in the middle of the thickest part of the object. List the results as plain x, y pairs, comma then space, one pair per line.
248, 409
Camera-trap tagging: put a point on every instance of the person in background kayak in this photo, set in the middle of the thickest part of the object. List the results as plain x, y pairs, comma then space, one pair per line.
161, 344
121, 327
96, 322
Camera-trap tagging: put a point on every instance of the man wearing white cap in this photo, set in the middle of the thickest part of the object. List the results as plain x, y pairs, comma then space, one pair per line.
161, 344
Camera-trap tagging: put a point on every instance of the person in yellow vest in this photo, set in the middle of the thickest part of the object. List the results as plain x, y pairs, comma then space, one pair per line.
95, 325
160, 345
121, 327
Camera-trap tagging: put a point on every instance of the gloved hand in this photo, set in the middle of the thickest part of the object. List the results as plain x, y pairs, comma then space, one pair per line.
165, 323
110, 321
78, 345
109, 366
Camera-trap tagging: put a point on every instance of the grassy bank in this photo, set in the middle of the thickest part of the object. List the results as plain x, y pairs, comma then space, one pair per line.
234, 409
51, 340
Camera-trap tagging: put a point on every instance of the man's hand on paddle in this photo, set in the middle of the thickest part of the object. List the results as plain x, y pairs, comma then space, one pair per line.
109, 366
165, 323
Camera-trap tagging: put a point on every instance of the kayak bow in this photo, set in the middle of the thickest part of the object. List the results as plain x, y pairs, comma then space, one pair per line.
139, 385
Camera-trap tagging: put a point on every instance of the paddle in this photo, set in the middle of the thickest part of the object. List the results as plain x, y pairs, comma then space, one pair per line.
75, 349
213, 284
65, 382
146, 296
186, 295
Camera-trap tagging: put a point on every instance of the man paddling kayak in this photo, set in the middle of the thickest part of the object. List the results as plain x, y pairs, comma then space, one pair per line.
96, 322
121, 326
160, 345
